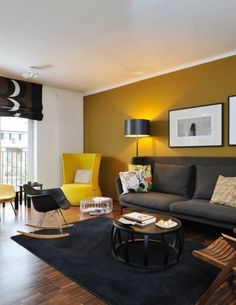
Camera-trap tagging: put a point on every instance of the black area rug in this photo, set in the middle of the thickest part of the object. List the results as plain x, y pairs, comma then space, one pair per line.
85, 257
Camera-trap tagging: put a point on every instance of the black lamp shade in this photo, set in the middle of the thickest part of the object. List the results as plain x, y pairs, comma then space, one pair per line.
137, 128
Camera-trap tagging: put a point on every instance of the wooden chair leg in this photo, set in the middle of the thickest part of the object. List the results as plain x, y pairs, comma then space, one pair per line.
225, 272
232, 283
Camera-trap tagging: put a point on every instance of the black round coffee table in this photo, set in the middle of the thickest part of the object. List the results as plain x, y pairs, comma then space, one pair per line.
149, 246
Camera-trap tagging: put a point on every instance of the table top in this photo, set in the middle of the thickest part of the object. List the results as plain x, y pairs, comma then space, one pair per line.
33, 184
96, 199
150, 228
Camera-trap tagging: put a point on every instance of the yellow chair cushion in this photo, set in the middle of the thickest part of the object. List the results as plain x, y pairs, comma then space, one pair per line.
75, 192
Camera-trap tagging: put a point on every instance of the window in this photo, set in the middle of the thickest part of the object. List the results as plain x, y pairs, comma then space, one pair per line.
15, 150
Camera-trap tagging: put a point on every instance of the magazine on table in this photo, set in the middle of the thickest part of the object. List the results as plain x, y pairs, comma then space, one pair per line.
125, 221
140, 218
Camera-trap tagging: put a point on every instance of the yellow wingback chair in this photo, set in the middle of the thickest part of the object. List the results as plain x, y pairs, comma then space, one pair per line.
72, 162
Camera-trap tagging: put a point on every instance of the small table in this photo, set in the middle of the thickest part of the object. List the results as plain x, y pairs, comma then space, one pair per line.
141, 246
20, 193
96, 205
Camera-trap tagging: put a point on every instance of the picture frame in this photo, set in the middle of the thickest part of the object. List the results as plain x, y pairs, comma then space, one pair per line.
232, 120
199, 126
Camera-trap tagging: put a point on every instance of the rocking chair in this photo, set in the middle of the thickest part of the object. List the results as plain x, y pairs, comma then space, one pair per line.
45, 202
222, 254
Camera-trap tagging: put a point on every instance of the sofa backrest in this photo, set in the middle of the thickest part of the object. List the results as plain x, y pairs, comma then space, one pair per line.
204, 174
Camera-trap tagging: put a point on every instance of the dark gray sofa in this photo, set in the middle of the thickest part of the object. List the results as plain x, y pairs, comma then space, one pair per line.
182, 187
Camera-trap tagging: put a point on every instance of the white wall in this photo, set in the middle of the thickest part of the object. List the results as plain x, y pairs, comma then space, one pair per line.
61, 130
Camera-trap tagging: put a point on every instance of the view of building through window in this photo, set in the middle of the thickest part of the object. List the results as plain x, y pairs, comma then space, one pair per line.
13, 150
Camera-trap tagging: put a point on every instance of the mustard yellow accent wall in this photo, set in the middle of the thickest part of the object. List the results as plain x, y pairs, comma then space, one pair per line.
105, 113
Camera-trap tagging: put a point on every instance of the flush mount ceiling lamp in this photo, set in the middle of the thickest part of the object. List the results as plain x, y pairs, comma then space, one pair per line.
137, 128
30, 73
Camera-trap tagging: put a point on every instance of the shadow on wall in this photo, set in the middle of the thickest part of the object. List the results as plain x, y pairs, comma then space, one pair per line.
109, 170
159, 129
159, 134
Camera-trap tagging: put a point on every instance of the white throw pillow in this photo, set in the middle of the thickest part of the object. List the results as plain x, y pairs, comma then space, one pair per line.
132, 182
82, 176
225, 191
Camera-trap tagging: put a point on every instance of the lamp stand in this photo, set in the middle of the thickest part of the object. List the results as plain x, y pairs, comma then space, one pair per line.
136, 146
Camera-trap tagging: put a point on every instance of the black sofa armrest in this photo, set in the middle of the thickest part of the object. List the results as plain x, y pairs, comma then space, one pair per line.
119, 188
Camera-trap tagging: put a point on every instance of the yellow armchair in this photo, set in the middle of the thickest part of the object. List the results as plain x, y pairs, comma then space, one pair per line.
71, 162
7, 194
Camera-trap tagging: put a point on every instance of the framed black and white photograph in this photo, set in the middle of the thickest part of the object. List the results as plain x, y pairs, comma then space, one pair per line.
232, 120
197, 126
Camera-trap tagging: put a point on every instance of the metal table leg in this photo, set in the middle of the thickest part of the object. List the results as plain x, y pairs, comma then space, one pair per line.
146, 241
17, 201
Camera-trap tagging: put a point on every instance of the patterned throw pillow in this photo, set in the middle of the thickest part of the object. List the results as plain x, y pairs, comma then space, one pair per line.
147, 173
132, 182
225, 191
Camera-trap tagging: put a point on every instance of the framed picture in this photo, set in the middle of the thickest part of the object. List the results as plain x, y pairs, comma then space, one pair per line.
232, 120
197, 126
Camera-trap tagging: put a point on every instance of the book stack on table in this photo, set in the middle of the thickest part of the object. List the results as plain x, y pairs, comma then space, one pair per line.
136, 218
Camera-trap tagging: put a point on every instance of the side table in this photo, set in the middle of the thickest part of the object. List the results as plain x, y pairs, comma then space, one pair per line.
96, 205
20, 193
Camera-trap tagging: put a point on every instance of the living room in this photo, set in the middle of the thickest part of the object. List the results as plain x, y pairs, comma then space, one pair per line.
127, 61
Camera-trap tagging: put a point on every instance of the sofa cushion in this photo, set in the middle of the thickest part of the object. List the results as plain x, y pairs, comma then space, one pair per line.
204, 209
206, 178
225, 191
171, 178
151, 200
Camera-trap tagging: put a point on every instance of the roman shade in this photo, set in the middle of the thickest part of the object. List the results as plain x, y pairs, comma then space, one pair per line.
20, 99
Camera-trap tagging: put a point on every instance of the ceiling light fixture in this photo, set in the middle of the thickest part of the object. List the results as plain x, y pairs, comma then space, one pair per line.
31, 73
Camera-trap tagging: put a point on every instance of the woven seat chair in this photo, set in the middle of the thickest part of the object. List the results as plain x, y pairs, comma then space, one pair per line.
222, 254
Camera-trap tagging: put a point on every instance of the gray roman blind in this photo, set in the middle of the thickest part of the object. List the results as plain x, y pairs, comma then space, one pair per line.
20, 99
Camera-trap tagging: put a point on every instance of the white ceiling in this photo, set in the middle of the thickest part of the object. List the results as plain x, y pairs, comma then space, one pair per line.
90, 45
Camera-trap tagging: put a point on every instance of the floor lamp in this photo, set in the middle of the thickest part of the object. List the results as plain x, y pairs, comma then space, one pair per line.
137, 128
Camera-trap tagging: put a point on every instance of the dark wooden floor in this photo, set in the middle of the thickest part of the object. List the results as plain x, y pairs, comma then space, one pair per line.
26, 280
